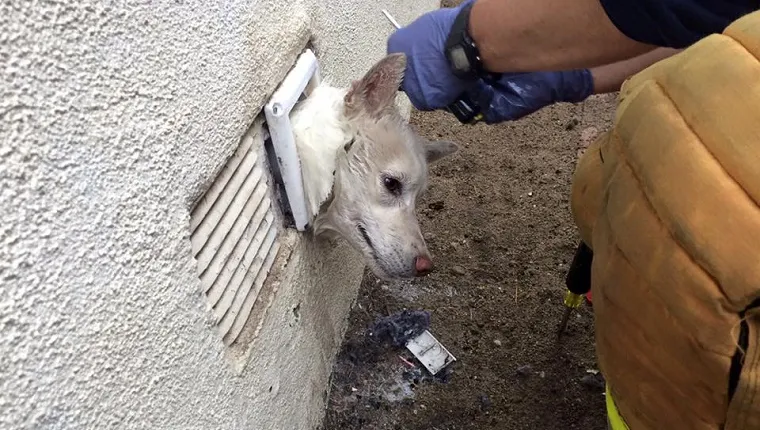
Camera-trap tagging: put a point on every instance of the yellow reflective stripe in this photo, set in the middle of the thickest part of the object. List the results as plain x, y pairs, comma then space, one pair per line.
616, 422
572, 300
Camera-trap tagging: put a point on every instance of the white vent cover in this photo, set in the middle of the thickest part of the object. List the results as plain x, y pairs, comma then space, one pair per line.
234, 237
304, 74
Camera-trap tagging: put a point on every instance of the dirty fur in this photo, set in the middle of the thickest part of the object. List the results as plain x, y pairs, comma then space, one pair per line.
364, 168
401, 327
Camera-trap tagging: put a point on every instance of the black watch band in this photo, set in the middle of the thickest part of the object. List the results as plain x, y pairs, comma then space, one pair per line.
461, 52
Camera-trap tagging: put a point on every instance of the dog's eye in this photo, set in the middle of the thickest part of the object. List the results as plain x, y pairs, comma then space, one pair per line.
393, 185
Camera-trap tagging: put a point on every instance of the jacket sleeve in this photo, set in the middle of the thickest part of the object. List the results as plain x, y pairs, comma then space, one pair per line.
674, 23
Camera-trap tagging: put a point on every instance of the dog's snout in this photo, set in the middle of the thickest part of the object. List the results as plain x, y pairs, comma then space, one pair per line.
422, 265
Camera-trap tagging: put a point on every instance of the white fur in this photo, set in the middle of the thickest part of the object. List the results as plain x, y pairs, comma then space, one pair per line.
321, 130
372, 184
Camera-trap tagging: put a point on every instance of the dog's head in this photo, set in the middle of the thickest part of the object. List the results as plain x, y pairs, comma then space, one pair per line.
380, 173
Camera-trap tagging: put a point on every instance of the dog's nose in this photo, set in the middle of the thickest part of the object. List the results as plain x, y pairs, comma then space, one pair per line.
422, 265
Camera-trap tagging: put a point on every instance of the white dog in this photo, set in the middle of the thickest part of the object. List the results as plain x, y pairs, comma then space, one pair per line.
364, 167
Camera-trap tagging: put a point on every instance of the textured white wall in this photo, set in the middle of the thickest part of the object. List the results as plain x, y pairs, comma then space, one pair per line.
114, 117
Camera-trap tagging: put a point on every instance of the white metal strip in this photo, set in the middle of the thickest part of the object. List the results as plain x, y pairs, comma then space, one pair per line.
231, 277
231, 252
304, 73
209, 198
250, 275
253, 297
210, 222
233, 213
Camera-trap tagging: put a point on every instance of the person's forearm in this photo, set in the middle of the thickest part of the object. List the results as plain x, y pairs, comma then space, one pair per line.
532, 35
610, 77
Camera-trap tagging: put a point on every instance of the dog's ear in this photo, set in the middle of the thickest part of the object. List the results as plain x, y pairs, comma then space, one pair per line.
376, 91
434, 151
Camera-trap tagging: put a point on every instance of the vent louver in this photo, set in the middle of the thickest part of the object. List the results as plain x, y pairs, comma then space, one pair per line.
235, 237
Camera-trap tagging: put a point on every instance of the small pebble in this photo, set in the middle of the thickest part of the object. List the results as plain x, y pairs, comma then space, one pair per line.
485, 402
524, 370
458, 270
572, 124
437, 205
497, 342
530, 194
593, 381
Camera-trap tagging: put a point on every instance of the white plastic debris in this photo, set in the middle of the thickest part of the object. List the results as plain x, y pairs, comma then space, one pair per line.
431, 353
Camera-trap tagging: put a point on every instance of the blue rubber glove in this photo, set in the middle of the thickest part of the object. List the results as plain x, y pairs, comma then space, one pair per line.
516, 95
428, 80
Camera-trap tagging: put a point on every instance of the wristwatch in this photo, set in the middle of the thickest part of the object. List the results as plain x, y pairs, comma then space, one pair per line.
461, 51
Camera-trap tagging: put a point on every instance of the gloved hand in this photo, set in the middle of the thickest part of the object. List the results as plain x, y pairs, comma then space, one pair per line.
428, 80
516, 95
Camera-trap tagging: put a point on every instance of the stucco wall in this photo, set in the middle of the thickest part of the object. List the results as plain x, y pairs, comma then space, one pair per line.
114, 118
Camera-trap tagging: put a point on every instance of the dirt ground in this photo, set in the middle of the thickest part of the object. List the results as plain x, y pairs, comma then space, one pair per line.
497, 221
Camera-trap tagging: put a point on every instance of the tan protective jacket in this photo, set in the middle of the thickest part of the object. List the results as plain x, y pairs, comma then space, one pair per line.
668, 201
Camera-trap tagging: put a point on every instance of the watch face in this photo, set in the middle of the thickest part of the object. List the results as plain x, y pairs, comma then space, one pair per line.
459, 59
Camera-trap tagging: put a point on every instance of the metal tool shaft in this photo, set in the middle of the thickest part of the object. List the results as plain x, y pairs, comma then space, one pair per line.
391, 19
565, 319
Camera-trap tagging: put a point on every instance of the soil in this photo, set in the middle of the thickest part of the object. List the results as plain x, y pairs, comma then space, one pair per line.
497, 220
